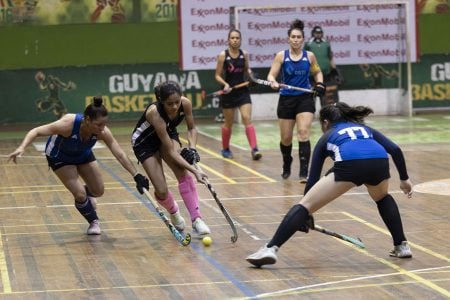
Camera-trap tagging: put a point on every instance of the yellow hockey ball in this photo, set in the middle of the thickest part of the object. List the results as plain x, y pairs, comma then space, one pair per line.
207, 241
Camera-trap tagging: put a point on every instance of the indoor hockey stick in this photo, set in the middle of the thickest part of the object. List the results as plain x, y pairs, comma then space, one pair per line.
282, 85
221, 92
354, 241
222, 208
178, 236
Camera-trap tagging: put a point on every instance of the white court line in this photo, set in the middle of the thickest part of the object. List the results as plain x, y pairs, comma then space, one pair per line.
271, 294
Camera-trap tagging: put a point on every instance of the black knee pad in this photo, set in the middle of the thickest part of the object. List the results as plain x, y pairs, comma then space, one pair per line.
302, 217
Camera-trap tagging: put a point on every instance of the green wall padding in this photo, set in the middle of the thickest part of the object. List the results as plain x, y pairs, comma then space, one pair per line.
87, 44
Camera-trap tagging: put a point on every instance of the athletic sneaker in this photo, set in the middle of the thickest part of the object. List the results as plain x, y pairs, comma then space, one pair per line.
200, 227
219, 118
287, 168
226, 153
256, 155
94, 228
177, 221
264, 256
401, 251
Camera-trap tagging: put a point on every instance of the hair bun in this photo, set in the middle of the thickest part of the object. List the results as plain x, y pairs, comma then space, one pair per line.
98, 101
298, 24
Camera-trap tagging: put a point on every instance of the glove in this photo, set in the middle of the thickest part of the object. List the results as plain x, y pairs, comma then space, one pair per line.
141, 182
308, 225
319, 89
190, 155
336, 75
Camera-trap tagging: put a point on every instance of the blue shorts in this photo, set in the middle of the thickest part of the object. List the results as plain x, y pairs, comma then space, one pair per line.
55, 163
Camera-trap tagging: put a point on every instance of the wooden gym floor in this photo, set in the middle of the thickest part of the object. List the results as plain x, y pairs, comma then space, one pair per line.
45, 254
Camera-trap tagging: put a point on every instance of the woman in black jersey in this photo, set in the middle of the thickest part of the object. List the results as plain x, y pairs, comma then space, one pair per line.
232, 66
155, 138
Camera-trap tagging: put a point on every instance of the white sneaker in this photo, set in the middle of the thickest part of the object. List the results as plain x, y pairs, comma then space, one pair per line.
401, 251
177, 221
264, 256
200, 227
94, 228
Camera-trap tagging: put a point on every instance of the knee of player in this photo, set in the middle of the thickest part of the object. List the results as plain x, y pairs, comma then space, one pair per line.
303, 134
80, 196
97, 191
161, 193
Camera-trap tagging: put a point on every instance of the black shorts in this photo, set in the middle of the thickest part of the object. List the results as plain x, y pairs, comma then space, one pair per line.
290, 106
234, 99
149, 148
56, 163
362, 171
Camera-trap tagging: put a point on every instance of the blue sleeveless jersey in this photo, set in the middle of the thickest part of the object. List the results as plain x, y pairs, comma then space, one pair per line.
70, 149
295, 73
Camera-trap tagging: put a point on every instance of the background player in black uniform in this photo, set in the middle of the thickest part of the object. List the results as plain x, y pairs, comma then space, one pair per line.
155, 138
232, 66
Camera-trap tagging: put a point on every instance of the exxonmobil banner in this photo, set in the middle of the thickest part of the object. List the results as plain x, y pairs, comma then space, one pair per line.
359, 34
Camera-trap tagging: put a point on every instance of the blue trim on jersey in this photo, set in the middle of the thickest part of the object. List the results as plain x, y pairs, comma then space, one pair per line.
295, 73
70, 149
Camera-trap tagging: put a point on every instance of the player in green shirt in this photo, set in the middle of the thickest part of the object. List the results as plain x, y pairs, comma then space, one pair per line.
322, 50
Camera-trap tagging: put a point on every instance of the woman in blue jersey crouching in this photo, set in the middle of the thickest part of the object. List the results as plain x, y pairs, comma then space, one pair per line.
69, 154
360, 155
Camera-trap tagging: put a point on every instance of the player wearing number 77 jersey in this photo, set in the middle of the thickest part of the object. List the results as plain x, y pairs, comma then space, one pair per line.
360, 156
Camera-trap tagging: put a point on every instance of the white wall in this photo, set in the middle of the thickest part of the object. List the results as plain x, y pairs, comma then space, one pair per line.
382, 101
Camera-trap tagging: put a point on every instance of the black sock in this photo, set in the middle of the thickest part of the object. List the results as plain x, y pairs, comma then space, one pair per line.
390, 214
294, 219
304, 154
87, 210
286, 152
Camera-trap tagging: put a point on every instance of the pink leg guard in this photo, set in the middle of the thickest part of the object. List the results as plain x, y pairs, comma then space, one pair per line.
251, 136
226, 136
169, 203
188, 192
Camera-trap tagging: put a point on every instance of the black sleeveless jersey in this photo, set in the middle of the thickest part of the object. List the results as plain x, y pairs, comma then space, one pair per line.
145, 133
234, 68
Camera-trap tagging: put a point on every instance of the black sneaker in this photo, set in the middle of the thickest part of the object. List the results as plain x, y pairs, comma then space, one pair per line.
256, 155
286, 168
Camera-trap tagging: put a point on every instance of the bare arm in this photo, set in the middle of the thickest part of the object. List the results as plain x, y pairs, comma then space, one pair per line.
62, 127
192, 130
275, 70
158, 123
117, 151
219, 70
247, 69
315, 69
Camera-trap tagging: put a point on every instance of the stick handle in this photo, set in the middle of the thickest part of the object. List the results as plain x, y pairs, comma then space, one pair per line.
224, 211
286, 86
296, 88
